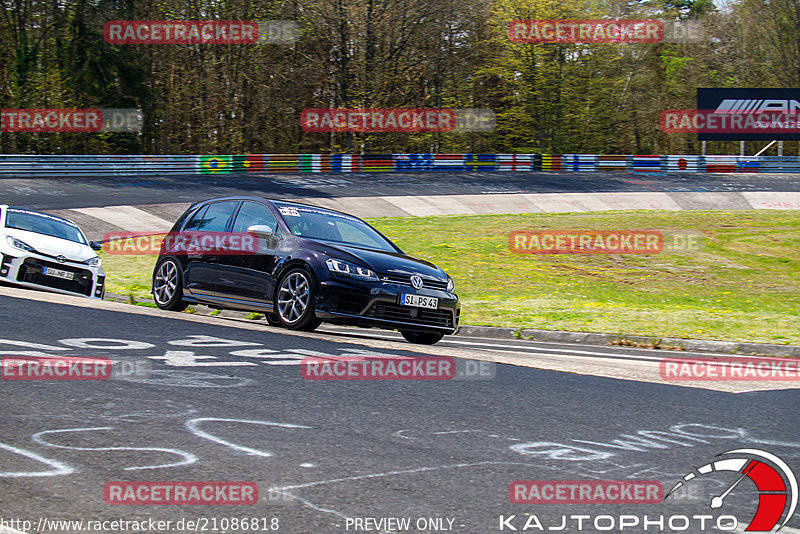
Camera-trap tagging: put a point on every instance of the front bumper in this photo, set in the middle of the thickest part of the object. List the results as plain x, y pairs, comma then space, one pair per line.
27, 270
378, 304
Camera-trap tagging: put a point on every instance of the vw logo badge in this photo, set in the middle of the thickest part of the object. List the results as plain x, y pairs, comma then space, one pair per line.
61, 259
416, 282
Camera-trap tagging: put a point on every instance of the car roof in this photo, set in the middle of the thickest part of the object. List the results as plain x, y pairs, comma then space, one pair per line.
271, 201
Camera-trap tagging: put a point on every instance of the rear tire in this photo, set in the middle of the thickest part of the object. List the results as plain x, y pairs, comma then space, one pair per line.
168, 285
294, 300
274, 320
422, 338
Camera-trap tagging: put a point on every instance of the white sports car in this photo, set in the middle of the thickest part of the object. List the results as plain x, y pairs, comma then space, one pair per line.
43, 251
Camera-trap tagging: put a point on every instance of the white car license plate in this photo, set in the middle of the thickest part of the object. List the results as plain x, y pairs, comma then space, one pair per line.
58, 273
418, 301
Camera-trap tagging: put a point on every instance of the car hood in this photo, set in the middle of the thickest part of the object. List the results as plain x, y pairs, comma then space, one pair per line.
380, 261
52, 246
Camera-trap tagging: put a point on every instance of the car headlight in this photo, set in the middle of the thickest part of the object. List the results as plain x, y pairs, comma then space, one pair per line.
94, 262
350, 270
451, 285
19, 244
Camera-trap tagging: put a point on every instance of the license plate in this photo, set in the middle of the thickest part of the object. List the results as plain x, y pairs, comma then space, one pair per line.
58, 273
418, 301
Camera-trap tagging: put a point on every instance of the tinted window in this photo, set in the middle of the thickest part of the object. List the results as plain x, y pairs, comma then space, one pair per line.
196, 219
252, 213
214, 218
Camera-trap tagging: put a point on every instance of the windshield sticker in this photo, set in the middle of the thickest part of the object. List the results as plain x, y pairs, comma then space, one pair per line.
295, 212
288, 212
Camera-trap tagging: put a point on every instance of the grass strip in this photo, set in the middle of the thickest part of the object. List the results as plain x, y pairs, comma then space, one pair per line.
743, 285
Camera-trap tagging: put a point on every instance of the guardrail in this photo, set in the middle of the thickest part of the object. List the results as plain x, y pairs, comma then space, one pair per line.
109, 165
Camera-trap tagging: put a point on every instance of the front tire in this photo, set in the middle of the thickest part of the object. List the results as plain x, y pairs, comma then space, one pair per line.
422, 338
168, 286
294, 300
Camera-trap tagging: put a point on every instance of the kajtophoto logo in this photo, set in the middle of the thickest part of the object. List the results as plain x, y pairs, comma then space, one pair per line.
775, 482
776, 492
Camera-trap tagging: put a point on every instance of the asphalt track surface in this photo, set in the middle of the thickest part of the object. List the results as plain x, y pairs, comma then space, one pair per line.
233, 405
86, 191
323, 452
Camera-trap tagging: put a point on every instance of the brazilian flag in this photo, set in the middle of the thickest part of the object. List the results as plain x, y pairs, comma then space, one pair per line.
215, 164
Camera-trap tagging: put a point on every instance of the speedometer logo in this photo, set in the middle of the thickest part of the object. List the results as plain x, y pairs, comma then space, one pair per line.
775, 481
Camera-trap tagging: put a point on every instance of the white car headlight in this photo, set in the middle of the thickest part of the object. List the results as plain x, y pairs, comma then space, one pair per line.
94, 262
451, 285
19, 244
350, 270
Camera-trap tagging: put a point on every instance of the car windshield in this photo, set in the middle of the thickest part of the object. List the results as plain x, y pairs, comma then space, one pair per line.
317, 223
42, 223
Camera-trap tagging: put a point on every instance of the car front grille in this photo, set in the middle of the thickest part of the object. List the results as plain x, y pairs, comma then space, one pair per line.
407, 314
31, 271
430, 283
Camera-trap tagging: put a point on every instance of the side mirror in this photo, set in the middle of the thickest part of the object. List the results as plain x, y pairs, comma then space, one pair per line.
260, 230
95, 245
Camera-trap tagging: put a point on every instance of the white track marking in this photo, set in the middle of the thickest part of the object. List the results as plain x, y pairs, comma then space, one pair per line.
193, 426
128, 218
58, 467
188, 458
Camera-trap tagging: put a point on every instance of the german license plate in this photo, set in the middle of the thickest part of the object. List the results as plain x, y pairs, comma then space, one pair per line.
418, 301
58, 273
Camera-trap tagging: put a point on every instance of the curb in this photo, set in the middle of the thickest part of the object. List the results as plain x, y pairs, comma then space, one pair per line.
649, 342
583, 338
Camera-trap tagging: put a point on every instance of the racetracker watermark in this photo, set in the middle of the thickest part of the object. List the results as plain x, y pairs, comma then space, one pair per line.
585, 491
586, 242
551, 31
586, 31
604, 241
200, 32
730, 369
181, 493
72, 368
716, 121
387, 120
190, 242
54, 120
395, 368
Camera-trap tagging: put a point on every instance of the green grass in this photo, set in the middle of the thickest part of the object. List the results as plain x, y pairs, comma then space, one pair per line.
744, 285
128, 275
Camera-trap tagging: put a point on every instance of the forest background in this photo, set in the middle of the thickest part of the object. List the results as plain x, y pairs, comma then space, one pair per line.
239, 99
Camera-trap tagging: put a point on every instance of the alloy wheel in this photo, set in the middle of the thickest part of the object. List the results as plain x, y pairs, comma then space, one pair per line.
293, 297
166, 282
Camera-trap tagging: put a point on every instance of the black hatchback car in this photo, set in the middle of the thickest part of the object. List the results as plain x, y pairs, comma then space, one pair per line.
300, 265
